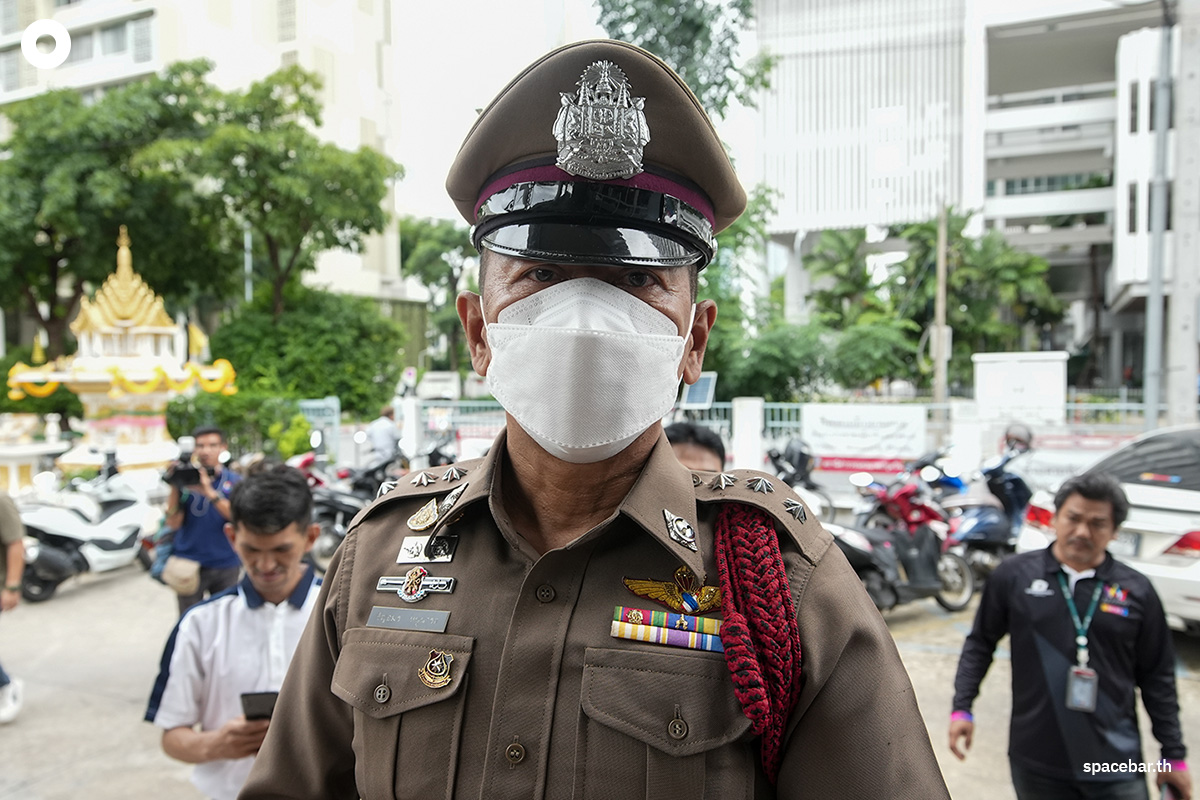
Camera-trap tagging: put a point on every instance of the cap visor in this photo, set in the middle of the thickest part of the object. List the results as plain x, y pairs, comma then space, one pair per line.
581, 244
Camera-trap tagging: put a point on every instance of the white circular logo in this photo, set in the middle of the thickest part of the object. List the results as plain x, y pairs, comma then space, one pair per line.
56, 31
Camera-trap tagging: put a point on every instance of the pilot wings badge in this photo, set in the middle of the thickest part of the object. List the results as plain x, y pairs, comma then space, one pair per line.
601, 130
684, 594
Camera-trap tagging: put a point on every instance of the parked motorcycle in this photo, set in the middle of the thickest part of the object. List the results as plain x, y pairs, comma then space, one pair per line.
333, 509
985, 521
794, 466
896, 567
102, 525
906, 503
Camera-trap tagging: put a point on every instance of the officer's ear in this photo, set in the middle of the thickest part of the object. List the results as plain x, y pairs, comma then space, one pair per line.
697, 343
470, 313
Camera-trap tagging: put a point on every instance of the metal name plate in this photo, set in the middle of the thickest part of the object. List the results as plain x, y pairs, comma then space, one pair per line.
408, 619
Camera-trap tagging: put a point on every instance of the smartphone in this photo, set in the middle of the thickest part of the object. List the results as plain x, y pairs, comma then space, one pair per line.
258, 705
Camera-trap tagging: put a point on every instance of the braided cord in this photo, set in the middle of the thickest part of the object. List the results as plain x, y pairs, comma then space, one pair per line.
759, 631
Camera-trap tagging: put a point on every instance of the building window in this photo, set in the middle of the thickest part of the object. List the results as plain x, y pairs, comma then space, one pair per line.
1133, 106
1154, 105
113, 39
1150, 206
8, 16
142, 46
81, 48
289, 58
9, 66
287, 20
1133, 209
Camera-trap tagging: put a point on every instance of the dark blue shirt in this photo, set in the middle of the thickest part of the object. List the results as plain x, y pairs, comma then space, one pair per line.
1129, 646
202, 535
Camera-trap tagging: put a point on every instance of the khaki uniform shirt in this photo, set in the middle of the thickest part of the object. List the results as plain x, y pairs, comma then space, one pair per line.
543, 702
11, 530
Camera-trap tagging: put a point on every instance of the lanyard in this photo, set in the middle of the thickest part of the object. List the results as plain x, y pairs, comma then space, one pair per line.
1081, 627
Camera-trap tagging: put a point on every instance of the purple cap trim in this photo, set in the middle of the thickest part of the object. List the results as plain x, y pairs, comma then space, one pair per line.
643, 180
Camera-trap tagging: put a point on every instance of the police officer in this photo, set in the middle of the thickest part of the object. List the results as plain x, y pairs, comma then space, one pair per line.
578, 614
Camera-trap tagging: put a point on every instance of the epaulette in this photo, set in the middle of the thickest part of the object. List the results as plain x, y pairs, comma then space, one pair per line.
417, 485
772, 495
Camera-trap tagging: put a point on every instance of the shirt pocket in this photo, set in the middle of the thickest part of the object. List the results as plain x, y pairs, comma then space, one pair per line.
405, 738
660, 725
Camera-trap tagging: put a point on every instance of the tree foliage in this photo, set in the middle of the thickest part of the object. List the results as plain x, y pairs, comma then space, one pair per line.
259, 160
436, 252
68, 184
783, 364
699, 39
322, 344
851, 290
247, 418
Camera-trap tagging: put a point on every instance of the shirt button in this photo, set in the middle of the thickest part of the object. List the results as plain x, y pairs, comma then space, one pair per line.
545, 593
515, 753
677, 728
382, 694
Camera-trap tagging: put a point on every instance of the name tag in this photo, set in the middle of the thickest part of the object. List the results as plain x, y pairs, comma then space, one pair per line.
408, 619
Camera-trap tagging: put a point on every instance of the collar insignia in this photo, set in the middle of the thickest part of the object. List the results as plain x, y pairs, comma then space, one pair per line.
684, 594
680, 530
601, 129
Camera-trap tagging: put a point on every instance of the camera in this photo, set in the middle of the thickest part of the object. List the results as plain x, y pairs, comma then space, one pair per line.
183, 472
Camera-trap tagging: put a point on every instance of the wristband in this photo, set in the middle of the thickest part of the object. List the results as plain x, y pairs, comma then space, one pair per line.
16, 587
1177, 764
956, 715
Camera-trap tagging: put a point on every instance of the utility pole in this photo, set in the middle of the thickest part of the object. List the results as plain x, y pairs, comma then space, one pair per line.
1183, 334
940, 356
1158, 226
247, 261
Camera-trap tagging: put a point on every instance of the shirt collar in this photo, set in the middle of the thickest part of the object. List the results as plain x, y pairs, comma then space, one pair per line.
296, 599
1053, 565
664, 485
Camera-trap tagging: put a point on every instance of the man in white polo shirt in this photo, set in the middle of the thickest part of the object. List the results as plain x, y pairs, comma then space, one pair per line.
241, 640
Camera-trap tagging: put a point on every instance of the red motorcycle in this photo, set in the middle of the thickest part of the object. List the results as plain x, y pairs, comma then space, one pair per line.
906, 504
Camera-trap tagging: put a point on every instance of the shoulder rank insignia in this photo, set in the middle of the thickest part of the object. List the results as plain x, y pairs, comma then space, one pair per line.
423, 479
760, 484
722, 482
795, 508
683, 594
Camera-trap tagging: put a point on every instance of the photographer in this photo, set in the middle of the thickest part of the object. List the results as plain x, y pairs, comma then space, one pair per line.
227, 656
202, 560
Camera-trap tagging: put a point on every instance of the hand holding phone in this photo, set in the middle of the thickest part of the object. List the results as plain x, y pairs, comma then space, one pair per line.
258, 705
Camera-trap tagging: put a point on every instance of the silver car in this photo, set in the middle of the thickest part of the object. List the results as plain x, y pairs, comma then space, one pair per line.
1160, 473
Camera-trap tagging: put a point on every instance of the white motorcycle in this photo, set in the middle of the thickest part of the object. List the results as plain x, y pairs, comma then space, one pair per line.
102, 525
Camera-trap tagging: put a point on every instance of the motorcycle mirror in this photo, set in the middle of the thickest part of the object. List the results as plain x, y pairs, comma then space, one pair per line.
360, 437
930, 473
861, 479
314, 439
45, 481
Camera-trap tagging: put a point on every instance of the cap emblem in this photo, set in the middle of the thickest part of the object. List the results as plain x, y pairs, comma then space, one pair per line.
601, 130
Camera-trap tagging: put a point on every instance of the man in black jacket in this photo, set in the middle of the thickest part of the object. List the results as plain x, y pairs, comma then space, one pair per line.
1086, 630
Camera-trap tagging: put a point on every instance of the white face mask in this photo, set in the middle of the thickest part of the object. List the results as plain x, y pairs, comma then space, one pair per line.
584, 367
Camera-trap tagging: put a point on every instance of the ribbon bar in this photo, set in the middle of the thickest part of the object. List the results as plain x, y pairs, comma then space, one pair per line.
663, 619
667, 636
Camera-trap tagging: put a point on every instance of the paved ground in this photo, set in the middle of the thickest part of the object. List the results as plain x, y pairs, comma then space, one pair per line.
89, 657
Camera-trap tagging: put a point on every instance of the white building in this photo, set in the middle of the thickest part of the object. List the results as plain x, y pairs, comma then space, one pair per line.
349, 43
1037, 114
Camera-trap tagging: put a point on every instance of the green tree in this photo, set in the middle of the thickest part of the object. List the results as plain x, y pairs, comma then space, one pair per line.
260, 160
783, 364
436, 252
852, 290
699, 39
68, 183
322, 344
878, 347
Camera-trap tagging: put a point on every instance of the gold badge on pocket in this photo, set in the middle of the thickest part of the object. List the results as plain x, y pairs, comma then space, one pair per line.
436, 672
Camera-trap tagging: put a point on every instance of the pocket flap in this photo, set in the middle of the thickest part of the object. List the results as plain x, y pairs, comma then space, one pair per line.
637, 693
372, 657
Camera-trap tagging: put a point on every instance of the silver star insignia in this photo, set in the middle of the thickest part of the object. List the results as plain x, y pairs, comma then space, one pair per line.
680, 530
722, 482
760, 484
423, 479
453, 474
796, 509
384, 488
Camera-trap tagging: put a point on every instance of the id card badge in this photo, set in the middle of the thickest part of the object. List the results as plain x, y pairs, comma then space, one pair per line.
1082, 689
